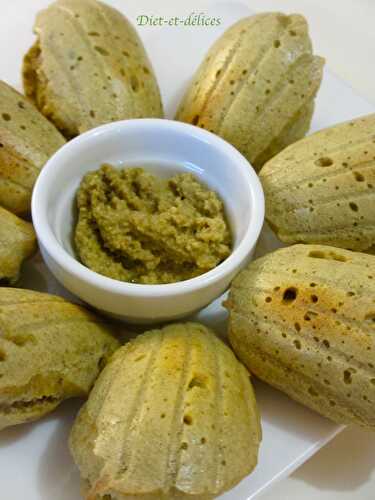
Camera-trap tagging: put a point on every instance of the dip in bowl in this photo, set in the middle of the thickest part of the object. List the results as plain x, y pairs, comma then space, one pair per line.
164, 148
136, 227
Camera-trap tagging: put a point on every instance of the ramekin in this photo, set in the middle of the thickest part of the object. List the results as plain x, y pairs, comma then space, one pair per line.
165, 147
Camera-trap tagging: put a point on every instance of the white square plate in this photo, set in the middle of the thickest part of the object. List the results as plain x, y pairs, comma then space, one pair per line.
34, 459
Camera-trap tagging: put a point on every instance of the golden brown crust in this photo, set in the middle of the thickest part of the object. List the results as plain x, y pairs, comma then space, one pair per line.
302, 320
256, 86
173, 415
88, 67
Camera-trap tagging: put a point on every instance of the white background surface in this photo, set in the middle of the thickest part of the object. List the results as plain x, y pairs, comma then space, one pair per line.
343, 31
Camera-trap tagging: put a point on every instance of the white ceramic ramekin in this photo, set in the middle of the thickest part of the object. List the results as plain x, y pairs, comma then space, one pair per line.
165, 147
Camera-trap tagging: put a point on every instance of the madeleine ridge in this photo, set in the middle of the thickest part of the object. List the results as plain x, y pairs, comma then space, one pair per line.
27, 141
88, 67
302, 319
322, 188
256, 86
50, 350
172, 416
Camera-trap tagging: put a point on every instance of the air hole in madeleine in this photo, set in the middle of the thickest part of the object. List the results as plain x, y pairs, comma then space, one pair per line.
101, 50
290, 295
324, 162
347, 377
134, 83
297, 344
188, 419
197, 381
195, 120
358, 177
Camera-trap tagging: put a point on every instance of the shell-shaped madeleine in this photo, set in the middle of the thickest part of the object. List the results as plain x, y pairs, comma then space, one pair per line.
17, 243
173, 415
256, 85
89, 67
303, 320
27, 140
50, 350
322, 188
